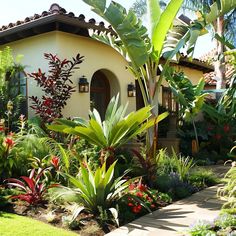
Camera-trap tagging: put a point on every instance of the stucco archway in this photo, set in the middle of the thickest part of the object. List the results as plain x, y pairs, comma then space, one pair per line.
103, 86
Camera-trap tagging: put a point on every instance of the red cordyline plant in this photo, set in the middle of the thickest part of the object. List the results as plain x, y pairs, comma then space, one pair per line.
33, 187
57, 86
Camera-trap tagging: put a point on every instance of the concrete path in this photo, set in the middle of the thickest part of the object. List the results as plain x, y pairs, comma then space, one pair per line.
175, 218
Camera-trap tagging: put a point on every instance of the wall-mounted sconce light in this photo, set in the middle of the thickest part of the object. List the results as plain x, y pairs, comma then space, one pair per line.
131, 90
83, 85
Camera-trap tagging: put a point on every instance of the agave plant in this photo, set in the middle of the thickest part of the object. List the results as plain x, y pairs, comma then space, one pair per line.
93, 191
116, 130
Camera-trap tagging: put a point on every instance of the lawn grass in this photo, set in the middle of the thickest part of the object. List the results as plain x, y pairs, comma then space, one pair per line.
14, 225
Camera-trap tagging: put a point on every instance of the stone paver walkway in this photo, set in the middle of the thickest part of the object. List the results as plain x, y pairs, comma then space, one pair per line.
175, 218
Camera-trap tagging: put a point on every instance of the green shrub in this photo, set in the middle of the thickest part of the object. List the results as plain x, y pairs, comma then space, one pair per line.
201, 228
228, 191
174, 186
202, 177
174, 163
223, 225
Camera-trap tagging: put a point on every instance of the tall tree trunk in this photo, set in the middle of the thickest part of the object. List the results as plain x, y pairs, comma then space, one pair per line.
219, 64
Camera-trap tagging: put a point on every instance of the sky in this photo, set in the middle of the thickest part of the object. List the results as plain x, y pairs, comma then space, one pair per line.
13, 10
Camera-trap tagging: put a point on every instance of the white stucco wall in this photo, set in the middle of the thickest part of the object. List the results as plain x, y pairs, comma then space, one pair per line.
97, 56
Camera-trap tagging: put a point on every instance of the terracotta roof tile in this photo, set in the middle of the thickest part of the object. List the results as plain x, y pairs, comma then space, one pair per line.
55, 9
210, 77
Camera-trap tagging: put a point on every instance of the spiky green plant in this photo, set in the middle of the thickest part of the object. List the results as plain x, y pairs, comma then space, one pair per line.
116, 130
94, 191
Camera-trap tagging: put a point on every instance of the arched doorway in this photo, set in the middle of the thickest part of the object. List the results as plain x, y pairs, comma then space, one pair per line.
99, 93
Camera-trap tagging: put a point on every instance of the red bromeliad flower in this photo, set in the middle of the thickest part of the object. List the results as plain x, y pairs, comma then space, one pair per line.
55, 161
226, 128
9, 142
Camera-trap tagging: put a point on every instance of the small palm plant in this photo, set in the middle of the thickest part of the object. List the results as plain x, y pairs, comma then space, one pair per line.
116, 130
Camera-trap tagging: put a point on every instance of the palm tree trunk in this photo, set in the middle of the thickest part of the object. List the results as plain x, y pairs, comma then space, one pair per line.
219, 65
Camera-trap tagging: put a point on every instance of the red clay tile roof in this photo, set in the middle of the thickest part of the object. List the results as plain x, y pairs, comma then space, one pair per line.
210, 77
56, 18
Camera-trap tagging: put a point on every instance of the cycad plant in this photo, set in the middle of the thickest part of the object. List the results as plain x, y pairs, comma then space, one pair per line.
116, 130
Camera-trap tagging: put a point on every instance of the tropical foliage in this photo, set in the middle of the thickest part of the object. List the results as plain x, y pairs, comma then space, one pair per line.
11, 95
114, 131
228, 191
144, 51
94, 191
57, 87
33, 187
189, 96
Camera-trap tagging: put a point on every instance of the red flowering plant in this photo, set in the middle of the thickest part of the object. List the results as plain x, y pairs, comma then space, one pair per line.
221, 137
55, 162
57, 86
139, 200
142, 198
7, 159
33, 187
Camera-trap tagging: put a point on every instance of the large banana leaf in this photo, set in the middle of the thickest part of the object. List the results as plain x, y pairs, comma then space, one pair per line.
219, 8
164, 24
127, 26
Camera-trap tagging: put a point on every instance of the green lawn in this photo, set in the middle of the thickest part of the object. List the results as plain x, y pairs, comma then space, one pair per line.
14, 225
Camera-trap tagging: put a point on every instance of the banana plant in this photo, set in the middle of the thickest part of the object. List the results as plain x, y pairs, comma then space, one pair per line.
190, 97
116, 130
142, 46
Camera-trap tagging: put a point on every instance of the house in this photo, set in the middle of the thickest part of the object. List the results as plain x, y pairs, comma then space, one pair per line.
58, 32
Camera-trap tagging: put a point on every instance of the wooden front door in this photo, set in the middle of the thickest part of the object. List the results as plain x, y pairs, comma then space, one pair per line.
99, 93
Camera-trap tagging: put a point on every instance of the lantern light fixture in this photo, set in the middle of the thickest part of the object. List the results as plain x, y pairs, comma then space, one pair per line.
83, 85
131, 90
